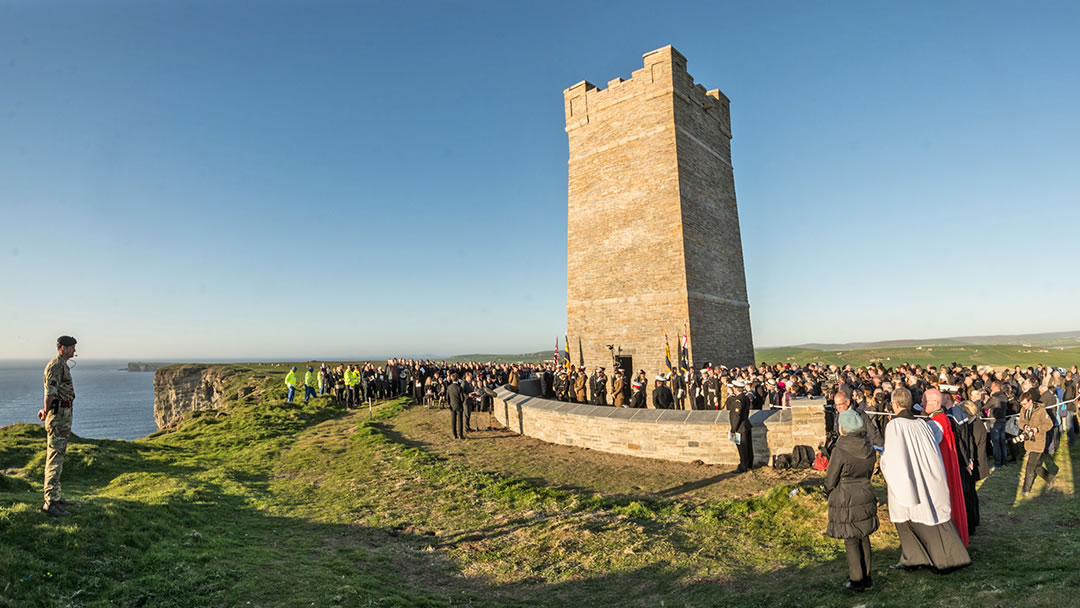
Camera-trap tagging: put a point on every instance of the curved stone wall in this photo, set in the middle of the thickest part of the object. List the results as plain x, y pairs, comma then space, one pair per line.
679, 435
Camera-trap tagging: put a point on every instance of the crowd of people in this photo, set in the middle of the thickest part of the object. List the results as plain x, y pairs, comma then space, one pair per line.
463, 387
992, 395
932, 432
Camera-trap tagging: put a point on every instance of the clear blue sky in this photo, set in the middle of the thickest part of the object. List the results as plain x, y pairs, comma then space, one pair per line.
336, 179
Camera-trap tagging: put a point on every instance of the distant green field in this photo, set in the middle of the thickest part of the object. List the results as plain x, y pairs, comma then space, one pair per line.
971, 354
544, 355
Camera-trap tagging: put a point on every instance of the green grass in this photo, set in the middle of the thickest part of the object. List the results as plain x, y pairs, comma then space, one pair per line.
266, 504
978, 354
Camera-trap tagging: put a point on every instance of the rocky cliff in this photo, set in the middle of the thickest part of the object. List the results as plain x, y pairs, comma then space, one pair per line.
179, 389
139, 366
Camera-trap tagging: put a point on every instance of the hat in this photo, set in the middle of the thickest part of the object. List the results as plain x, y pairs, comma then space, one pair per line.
772, 381
309, 368
294, 368
850, 421
739, 383
66, 341
661, 378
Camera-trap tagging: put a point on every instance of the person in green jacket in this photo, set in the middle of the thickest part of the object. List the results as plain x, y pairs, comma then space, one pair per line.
309, 383
290, 383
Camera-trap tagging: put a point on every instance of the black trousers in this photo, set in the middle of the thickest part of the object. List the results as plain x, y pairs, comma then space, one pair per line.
1032, 468
457, 421
746, 449
858, 558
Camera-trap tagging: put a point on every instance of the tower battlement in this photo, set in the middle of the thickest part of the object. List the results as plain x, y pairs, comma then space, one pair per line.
662, 71
653, 241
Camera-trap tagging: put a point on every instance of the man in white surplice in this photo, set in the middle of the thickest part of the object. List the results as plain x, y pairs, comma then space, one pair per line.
919, 491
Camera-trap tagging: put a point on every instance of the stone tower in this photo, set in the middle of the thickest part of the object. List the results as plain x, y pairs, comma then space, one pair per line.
653, 244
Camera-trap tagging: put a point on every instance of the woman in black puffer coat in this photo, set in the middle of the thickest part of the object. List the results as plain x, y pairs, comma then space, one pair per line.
852, 505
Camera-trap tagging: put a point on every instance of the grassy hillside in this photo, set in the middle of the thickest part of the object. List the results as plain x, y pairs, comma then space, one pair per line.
269, 504
983, 354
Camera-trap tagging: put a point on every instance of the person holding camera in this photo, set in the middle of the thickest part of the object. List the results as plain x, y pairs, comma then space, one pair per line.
1034, 423
56, 413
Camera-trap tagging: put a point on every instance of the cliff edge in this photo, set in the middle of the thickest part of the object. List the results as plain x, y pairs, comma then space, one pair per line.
179, 389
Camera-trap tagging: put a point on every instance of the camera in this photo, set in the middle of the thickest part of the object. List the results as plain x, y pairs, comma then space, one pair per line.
1025, 435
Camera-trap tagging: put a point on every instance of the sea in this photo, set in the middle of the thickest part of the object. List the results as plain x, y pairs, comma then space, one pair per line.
110, 402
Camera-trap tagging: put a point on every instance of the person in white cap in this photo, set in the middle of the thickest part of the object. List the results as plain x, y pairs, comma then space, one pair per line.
662, 397
738, 407
637, 399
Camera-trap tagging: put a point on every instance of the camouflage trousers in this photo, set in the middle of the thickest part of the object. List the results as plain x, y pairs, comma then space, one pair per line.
58, 428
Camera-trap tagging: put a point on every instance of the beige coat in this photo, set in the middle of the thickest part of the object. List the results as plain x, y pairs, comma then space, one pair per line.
617, 391
1036, 418
579, 389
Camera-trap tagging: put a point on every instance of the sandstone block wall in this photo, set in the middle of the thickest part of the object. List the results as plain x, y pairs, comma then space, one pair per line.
679, 435
653, 241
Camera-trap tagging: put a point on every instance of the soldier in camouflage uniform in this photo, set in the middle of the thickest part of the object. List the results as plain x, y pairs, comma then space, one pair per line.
59, 397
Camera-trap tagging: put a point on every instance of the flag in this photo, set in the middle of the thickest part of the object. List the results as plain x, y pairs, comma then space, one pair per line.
555, 358
682, 364
667, 354
684, 352
566, 354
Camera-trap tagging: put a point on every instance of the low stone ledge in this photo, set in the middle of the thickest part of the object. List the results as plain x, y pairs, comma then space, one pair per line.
678, 435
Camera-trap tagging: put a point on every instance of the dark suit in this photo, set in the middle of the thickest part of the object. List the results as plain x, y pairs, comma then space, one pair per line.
712, 393
470, 403
455, 396
678, 390
662, 398
738, 407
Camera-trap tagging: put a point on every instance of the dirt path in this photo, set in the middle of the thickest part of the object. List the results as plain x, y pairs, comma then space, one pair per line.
579, 469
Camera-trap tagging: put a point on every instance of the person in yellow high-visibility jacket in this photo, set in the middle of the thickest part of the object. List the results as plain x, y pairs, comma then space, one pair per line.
309, 384
352, 381
290, 383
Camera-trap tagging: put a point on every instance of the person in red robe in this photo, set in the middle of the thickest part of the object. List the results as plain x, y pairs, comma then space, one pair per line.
932, 406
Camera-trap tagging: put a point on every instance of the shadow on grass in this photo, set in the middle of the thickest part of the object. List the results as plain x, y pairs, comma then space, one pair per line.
216, 549
690, 486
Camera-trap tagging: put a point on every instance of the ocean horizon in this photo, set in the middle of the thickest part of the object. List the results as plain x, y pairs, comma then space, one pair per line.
110, 402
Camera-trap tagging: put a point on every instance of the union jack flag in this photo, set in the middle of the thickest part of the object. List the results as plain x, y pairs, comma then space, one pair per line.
684, 352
